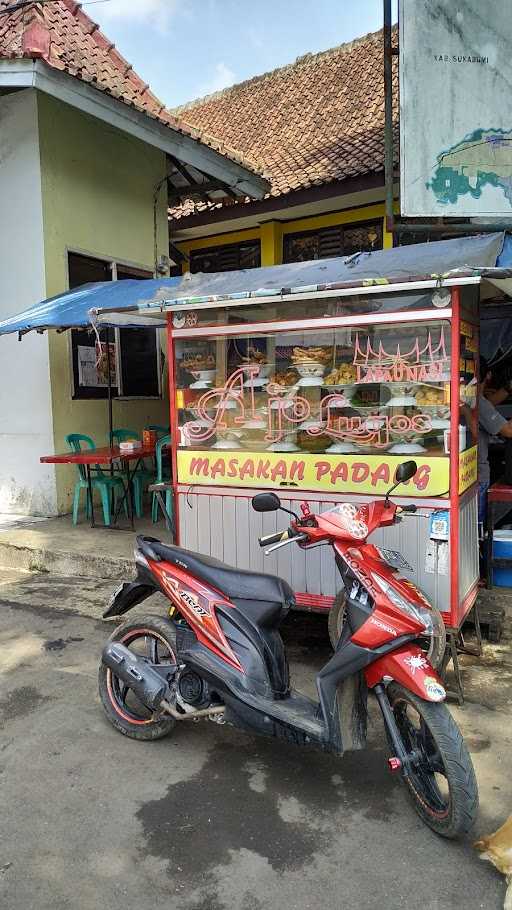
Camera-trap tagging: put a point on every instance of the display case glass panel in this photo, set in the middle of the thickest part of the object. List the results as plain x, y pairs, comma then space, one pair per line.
281, 310
325, 400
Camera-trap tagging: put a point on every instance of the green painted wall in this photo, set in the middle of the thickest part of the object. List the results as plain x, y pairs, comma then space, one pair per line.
98, 186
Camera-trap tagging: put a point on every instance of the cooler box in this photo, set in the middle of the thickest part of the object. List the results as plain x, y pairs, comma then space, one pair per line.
502, 549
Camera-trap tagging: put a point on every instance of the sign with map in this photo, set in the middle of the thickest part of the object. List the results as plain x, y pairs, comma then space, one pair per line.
456, 108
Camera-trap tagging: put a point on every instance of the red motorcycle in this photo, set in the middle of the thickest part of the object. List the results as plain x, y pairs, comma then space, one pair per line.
220, 655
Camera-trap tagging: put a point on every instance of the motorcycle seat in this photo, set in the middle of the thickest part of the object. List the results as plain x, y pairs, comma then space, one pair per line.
238, 584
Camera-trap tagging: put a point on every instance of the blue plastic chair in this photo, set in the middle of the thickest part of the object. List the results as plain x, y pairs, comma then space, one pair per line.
104, 483
161, 476
142, 477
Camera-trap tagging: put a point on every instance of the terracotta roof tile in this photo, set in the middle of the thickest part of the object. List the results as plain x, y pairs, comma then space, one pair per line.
316, 121
63, 35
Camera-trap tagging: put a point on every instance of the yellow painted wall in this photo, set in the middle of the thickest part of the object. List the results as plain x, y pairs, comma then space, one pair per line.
97, 186
271, 233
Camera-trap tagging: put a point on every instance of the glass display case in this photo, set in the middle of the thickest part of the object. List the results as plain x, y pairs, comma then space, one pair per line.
321, 399
379, 390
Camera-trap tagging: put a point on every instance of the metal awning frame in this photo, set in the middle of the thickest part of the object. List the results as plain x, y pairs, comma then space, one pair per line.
144, 311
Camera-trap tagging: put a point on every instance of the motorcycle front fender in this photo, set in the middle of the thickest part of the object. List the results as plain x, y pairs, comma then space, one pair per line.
409, 667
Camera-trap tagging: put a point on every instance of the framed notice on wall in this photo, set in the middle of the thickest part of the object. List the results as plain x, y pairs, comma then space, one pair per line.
93, 365
135, 363
455, 110
90, 364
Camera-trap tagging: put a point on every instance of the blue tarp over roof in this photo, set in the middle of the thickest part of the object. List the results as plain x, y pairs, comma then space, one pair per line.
406, 263
401, 264
71, 309
475, 256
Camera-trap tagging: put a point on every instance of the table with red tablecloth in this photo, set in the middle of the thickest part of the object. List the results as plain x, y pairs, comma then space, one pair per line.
110, 456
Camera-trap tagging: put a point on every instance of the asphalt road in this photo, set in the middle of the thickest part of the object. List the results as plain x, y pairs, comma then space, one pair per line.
210, 818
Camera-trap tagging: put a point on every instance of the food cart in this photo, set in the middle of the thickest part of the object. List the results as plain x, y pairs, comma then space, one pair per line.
318, 391
320, 400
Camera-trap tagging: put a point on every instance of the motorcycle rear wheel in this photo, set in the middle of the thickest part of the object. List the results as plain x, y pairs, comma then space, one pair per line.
442, 783
153, 637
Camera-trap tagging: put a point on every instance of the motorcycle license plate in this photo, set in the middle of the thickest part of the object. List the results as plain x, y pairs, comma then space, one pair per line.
394, 559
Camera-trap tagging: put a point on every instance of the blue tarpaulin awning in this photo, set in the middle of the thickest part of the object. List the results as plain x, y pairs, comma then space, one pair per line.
480, 256
71, 309
126, 302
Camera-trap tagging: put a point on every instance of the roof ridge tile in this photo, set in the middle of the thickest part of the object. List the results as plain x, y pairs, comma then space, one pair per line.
317, 121
35, 40
307, 58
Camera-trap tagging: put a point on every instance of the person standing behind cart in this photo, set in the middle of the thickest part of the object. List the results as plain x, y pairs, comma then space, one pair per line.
490, 423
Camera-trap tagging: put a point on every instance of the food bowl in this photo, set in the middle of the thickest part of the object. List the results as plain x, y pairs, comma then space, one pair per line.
203, 378
311, 422
261, 370
441, 412
254, 423
204, 375
229, 404
338, 401
285, 445
402, 401
406, 448
343, 448
230, 443
199, 423
257, 383
313, 444
283, 404
309, 381
369, 408
374, 422
310, 368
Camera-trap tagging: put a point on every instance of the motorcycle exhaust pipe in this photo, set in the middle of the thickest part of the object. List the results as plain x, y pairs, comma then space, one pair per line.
142, 679
147, 684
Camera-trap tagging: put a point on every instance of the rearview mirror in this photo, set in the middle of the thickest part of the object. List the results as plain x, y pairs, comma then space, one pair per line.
266, 502
405, 471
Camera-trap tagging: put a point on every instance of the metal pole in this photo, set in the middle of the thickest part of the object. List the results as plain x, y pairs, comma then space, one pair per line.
410, 227
388, 116
110, 414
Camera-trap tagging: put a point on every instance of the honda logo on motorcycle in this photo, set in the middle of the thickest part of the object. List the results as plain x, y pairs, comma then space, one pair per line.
382, 625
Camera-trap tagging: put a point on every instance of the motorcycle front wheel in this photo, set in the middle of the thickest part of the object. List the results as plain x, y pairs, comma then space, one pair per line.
336, 619
441, 781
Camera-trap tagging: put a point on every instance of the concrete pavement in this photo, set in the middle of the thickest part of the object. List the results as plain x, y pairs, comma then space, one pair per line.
210, 818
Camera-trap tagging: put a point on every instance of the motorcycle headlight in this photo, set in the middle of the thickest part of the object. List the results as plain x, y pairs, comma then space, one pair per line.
430, 618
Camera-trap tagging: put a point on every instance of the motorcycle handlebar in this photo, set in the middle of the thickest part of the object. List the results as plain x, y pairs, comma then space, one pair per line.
273, 538
288, 538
